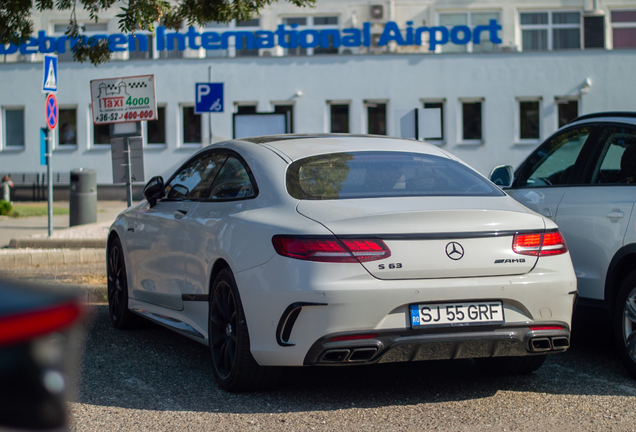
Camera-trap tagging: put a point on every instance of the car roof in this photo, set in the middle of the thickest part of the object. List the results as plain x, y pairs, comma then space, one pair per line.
297, 146
610, 116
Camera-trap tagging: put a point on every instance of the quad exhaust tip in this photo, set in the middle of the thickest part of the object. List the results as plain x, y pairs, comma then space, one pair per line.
542, 344
345, 355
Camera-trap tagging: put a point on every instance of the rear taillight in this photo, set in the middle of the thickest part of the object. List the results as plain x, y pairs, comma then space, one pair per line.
330, 249
540, 244
21, 327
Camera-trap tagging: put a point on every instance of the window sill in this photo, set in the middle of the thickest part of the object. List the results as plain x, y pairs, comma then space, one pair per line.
188, 146
12, 149
470, 142
65, 148
527, 142
99, 147
154, 146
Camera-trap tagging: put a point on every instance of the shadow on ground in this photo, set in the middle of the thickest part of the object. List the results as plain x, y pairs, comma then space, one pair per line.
155, 369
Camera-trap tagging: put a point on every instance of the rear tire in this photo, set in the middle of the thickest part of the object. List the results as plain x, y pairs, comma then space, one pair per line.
521, 365
233, 365
624, 323
121, 317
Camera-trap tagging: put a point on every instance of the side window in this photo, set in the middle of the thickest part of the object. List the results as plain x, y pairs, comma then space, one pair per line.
553, 163
616, 163
194, 180
233, 181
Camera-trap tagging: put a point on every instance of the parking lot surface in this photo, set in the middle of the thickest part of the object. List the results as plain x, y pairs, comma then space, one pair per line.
154, 379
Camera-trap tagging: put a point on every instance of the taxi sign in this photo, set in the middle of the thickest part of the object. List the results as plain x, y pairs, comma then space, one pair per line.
125, 99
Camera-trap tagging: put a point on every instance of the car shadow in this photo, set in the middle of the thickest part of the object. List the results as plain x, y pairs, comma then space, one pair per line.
153, 368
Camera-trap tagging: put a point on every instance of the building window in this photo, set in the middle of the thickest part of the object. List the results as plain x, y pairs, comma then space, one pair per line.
472, 121
568, 110
157, 128
101, 134
594, 32
541, 31
339, 115
289, 110
376, 118
89, 29
14, 128
191, 126
435, 110
246, 109
216, 27
470, 19
529, 123
138, 54
251, 25
67, 127
315, 24
624, 29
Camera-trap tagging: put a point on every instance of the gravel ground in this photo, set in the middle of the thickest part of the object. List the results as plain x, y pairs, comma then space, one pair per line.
154, 379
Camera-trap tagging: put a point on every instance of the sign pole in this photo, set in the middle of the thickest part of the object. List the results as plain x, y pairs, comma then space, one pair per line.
129, 199
49, 178
210, 114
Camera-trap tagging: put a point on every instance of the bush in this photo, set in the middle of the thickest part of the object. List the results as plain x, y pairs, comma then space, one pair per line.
5, 208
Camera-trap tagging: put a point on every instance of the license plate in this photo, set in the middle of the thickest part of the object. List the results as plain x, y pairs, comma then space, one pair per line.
423, 315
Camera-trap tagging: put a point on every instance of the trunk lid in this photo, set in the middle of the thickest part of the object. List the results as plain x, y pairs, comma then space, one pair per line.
433, 237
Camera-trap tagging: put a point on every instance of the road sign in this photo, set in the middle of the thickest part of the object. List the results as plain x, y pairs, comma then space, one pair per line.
52, 113
208, 98
49, 82
126, 99
120, 159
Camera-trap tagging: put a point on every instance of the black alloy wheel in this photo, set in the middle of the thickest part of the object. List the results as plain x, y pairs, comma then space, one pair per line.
234, 366
120, 316
223, 329
624, 321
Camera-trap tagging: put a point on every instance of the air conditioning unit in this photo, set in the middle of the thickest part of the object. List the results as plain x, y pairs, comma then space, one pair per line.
376, 12
375, 38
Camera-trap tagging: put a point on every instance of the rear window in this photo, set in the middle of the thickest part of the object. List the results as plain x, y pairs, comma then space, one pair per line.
383, 174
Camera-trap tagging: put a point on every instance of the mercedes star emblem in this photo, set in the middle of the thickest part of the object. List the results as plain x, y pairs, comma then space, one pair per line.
454, 250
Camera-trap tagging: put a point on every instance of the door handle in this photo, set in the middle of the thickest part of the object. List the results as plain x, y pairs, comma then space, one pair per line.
547, 212
179, 214
615, 214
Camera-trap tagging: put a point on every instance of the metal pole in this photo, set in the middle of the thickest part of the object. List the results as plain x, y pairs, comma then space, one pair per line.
210, 114
49, 177
128, 172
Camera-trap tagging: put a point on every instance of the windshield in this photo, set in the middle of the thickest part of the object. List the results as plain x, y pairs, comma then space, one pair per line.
383, 174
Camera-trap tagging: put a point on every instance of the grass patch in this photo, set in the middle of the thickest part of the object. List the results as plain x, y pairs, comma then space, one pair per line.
36, 209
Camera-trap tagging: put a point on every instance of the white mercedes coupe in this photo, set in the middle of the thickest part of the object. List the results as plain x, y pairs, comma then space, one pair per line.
311, 250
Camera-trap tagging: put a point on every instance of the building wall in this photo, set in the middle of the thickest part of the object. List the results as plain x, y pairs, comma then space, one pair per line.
402, 80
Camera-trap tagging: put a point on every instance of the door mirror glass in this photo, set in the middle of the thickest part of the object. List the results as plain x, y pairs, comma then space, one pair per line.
154, 190
502, 176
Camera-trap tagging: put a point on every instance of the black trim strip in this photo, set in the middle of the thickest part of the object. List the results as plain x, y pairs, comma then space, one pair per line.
287, 321
442, 236
195, 297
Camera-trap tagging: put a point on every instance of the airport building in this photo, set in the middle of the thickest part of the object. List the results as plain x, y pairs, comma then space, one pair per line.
488, 79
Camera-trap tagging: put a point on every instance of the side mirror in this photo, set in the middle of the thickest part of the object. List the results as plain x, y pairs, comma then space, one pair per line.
154, 190
502, 176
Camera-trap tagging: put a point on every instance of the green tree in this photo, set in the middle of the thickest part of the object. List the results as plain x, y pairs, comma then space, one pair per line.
16, 24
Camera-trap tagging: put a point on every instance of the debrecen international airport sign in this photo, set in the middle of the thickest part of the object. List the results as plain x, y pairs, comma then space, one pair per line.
284, 36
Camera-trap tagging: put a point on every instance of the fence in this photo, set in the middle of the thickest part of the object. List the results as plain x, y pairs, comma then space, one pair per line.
37, 182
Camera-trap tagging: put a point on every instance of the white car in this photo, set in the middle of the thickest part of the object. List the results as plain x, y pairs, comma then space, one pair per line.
584, 178
301, 250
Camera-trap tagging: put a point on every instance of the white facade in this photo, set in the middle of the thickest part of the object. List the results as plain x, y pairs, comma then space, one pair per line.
501, 79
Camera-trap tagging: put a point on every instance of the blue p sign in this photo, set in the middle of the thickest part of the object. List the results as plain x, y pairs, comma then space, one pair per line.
208, 98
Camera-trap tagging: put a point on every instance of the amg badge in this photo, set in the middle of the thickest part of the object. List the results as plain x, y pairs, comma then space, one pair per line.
505, 261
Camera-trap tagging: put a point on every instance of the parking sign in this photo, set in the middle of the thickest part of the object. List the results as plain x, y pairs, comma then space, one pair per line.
208, 98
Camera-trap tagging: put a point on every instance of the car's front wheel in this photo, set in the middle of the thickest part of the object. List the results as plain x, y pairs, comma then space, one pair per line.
521, 365
624, 320
233, 365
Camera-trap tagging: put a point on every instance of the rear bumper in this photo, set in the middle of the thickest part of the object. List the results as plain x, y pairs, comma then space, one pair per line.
450, 343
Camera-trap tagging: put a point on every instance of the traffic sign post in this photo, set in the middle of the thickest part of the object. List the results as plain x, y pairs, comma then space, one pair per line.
52, 115
208, 98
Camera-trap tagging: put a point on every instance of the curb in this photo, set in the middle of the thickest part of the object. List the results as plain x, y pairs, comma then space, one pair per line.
36, 257
45, 243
